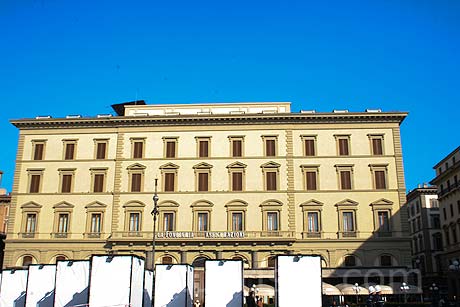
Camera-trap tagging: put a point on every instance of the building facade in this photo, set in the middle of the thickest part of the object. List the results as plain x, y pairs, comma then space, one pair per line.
5, 200
235, 181
447, 180
425, 228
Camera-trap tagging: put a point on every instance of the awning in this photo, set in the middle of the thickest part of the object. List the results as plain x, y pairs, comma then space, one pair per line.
261, 290
385, 290
330, 290
411, 289
348, 289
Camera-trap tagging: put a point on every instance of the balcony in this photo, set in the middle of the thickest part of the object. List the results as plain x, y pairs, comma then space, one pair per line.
60, 235
28, 235
311, 235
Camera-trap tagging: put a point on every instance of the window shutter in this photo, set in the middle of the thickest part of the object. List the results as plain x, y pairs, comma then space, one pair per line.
170, 149
377, 147
309, 147
237, 148
237, 181
66, 183
311, 180
345, 180
343, 147
203, 148
38, 154
69, 151
380, 180
203, 182
271, 181
169, 182
34, 183
136, 182
98, 182
101, 149
138, 150
270, 148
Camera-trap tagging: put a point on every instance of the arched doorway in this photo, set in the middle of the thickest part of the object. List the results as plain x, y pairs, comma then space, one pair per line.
198, 279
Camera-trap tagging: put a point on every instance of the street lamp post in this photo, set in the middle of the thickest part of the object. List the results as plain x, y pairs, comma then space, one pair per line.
404, 288
356, 289
434, 294
454, 268
154, 213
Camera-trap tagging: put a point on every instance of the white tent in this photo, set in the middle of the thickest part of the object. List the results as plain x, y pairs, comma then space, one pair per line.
40, 285
148, 284
172, 284
288, 287
224, 283
72, 283
116, 280
13, 288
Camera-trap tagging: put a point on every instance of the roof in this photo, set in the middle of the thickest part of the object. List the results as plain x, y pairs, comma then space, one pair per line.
119, 108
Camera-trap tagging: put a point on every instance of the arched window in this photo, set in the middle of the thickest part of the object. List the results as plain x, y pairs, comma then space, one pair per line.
60, 258
385, 260
271, 262
199, 262
350, 260
27, 260
167, 260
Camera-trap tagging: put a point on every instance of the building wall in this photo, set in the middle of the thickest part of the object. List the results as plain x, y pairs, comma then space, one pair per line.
291, 198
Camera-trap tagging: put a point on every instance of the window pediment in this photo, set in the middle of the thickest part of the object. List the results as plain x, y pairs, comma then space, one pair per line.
202, 165
347, 203
236, 203
169, 166
270, 164
136, 166
31, 205
63, 205
202, 203
95, 205
168, 204
237, 165
382, 204
312, 203
271, 203
136, 204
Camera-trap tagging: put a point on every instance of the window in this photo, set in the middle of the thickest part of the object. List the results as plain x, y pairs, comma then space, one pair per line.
202, 176
98, 181
169, 176
271, 262
350, 260
343, 145
383, 221
385, 260
348, 222
271, 178
379, 173
345, 177
35, 178
134, 221
236, 174
435, 221
313, 222
444, 213
136, 182
69, 149
203, 224
170, 147
137, 151
453, 229
96, 223
237, 221
101, 149
435, 204
272, 221
27, 260
447, 236
437, 241
310, 177
168, 221
236, 146
66, 177
451, 206
270, 144
167, 260
31, 223
169, 182
203, 144
63, 223
60, 258
38, 149
309, 145
376, 142
237, 181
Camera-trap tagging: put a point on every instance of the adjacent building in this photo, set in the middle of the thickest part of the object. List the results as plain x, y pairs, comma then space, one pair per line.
447, 181
235, 181
5, 200
425, 228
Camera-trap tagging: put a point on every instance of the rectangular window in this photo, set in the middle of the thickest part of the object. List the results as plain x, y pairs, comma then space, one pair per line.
348, 222
38, 150
169, 182
310, 149
343, 146
31, 223
270, 147
272, 221
35, 183
63, 223
270, 178
310, 178
345, 179
136, 182
138, 149
66, 186
237, 221
203, 148
69, 151
237, 148
98, 184
313, 222
237, 181
134, 221
383, 221
203, 221
168, 222
380, 180
171, 149
96, 222
203, 182
101, 150
377, 146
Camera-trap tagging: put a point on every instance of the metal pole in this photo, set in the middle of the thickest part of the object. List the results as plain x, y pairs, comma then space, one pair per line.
154, 214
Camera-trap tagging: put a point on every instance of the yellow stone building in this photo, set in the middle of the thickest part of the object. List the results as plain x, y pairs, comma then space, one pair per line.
235, 180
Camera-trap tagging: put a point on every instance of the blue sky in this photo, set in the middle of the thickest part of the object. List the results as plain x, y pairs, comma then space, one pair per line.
79, 57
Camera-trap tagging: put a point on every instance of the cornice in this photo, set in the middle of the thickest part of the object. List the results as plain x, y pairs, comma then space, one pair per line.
194, 120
